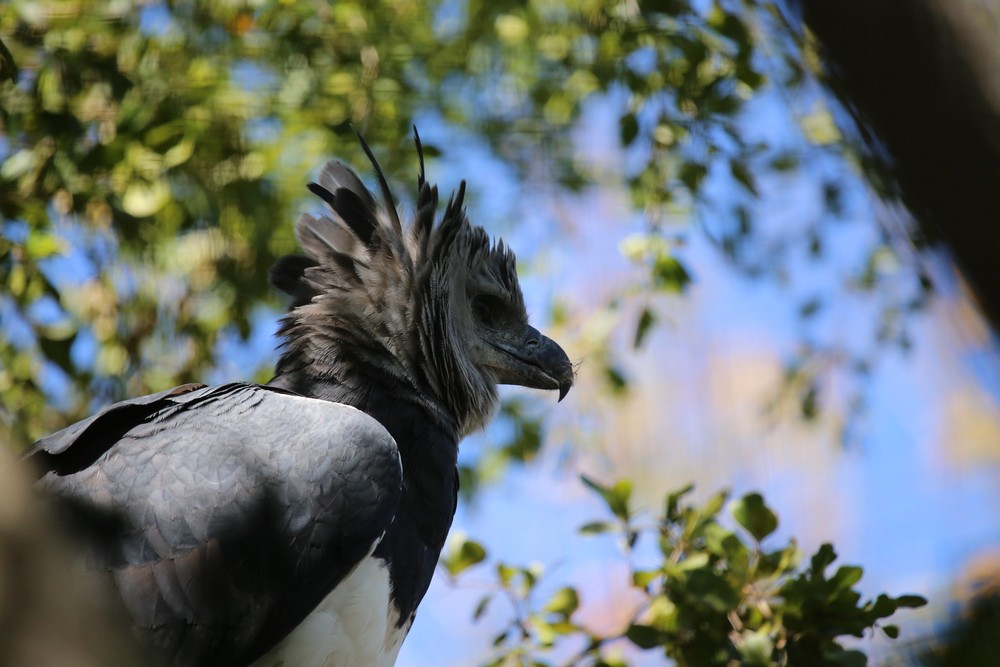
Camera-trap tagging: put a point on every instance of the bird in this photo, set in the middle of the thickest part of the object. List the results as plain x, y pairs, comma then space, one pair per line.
299, 522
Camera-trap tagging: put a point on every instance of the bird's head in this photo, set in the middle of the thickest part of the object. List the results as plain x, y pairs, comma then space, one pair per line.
435, 310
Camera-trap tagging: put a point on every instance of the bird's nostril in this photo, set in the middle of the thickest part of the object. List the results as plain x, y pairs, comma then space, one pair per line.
531, 343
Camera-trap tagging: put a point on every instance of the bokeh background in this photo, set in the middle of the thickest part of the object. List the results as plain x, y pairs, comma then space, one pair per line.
705, 214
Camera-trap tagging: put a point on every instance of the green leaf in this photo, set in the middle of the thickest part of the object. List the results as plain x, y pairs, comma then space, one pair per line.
758, 519
617, 382
8, 68
644, 636
742, 174
756, 648
822, 558
597, 528
463, 554
810, 308
846, 577
669, 274
564, 602
56, 343
810, 402
616, 497
694, 561
692, 174
891, 631
642, 578
544, 633
673, 500
911, 601
40, 245
712, 590
628, 125
724, 543
778, 562
646, 321
484, 603
19, 164
144, 199
785, 161
505, 573
713, 505
527, 578
527, 440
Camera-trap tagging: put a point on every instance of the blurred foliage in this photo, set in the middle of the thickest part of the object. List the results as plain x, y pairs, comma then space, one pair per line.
152, 154
715, 595
521, 446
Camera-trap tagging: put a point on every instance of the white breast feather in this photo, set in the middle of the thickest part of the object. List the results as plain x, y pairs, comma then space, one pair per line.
354, 625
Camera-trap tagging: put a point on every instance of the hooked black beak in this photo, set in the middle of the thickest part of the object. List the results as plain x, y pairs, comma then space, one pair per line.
536, 361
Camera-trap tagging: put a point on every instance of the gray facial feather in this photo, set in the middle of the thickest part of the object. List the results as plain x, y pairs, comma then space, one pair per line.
394, 302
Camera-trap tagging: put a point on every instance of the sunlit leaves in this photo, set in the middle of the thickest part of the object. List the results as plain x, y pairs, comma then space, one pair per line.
617, 496
461, 554
157, 119
654, 251
819, 127
563, 603
145, 199
714, 598
122, 129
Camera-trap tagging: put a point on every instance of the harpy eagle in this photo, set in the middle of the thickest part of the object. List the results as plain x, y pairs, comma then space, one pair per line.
298, 523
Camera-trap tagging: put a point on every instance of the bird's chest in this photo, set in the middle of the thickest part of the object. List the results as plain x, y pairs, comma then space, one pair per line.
355, 624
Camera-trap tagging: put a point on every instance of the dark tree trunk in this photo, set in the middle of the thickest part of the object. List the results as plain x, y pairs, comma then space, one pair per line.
923, 78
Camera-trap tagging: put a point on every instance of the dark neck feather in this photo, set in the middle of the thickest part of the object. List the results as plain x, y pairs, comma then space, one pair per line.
376, 389
427, 441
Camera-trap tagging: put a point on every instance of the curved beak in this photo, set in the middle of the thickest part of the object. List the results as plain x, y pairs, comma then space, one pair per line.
532, 360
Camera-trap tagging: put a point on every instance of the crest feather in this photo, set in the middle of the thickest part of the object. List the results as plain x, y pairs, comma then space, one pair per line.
371, 298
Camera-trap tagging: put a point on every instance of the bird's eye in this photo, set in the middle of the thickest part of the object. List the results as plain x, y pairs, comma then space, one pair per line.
487, 308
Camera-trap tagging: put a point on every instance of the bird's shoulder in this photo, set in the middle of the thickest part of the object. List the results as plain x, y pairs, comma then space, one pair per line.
198, 423
186, 497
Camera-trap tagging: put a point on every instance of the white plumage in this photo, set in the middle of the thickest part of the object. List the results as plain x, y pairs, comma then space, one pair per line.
354, 625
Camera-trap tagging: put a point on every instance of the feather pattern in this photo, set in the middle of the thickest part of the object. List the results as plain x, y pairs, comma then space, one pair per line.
222, 515
382, 299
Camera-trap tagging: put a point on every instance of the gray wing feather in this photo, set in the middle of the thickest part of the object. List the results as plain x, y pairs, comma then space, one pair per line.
223, 514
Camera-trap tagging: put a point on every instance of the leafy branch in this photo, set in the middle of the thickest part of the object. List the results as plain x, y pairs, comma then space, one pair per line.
715, 596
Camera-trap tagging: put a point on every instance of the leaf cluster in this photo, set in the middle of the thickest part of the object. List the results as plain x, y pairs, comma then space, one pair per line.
715, 596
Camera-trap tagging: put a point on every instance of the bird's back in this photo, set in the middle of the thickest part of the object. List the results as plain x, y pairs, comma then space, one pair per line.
223, 515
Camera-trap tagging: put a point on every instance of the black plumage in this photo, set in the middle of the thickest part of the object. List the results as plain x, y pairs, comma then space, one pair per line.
224, 515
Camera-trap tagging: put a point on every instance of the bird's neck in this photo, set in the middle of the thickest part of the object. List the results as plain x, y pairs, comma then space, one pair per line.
377, 393
427, 439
